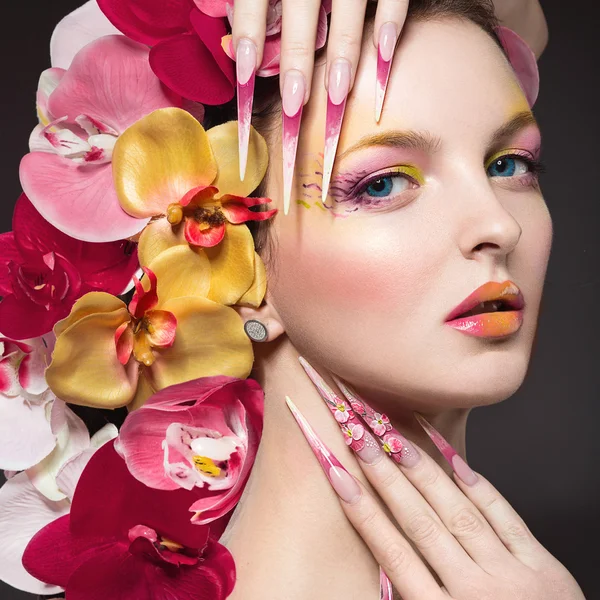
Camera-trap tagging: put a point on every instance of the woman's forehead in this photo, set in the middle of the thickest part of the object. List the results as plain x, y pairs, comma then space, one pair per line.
448, 77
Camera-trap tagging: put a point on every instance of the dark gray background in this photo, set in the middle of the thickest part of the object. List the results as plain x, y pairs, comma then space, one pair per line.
539, 448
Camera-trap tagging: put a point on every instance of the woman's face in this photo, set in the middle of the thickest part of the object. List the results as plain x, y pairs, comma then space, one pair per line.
417, 218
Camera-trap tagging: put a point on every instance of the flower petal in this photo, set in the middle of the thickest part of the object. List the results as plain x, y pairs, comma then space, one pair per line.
79, 200
23, 512
110, 81
159, 159
321, 28
269, 65
147, 21
224, 143
143, 392
232, 265
26, 435
236, 209
47, 83
207, 237
85, 368
214, 8
158, 236
89, 304
33, 366
256, 292
72, 438
9, 251
70, 472
210, 340
77, 29
184, 64
182, 271
163, 325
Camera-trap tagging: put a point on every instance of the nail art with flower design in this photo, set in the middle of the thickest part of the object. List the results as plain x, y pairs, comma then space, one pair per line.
355, 435
460, 467
397, 447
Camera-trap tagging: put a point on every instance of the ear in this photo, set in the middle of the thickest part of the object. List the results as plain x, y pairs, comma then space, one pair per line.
267, 315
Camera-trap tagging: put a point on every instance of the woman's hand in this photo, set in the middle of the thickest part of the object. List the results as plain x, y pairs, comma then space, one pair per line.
470, 536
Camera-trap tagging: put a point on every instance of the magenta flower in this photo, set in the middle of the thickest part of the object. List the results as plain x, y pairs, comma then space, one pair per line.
202, 436
68, 173
380, 424
125, 541
353, 435
272, 50
392, 444
186, 52
43, 272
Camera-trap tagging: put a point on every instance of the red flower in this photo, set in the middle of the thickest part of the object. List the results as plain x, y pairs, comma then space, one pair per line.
43, 271
186, 52
126, 541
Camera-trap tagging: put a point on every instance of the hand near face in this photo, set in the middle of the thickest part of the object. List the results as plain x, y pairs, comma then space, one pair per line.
465, 531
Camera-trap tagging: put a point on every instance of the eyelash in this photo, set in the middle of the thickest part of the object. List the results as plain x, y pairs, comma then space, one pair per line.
354, 194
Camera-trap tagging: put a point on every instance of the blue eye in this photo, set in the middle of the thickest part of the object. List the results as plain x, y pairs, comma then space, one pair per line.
380, 187
508, 166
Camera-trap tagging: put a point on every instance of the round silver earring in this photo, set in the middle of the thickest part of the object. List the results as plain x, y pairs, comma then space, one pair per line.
256, 330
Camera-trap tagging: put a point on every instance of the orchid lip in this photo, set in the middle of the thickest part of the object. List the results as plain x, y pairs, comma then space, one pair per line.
507, 292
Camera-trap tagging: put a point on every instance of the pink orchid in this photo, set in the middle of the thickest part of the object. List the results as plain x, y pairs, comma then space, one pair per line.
25, 509
380, 424
270, 63
43, 272
186, 52
202, 436
30, 419
353, 435
68, 175
123, 538
392, 444
342, 411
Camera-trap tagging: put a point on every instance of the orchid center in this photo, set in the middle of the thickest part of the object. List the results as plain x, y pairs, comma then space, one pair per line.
209, 216
206, 466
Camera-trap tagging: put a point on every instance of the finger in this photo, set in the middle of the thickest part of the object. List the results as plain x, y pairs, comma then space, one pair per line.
425, 484
249, 26
397, 558
343, 52
389, 21
508, 526
506, 522
298, 40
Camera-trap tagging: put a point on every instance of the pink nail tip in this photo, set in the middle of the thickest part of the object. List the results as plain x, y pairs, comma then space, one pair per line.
333, 128
291, 131
246, 75
385, 54
386, 591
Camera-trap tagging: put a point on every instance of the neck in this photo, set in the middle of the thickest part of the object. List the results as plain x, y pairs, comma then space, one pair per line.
289, 520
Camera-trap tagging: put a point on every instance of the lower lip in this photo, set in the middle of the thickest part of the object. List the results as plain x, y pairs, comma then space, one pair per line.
490, 325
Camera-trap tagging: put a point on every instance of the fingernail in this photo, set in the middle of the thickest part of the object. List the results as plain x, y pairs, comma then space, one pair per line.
394, 443
292, 99
360, 441
387, 44
342, 482
246, 73
450, 454
337, 93
386, 591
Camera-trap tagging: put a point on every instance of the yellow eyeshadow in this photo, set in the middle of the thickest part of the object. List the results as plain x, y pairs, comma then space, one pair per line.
413, 172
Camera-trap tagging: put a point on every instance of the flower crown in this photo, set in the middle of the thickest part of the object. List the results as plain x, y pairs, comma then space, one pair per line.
128, 252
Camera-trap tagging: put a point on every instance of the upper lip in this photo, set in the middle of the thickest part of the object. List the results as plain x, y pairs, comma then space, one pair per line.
507, 291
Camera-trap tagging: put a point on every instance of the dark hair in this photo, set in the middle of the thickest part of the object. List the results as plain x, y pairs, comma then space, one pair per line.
266, 116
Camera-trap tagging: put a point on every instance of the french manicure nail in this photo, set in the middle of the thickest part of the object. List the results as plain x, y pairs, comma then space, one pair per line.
246, 73
355, 435
461, 468
337, 94
398, 448
342, 482
387, 44
292, 101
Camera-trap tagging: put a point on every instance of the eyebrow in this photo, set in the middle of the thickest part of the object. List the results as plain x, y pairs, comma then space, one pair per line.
429, 144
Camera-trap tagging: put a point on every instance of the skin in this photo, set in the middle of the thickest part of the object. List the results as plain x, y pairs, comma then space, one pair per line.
366, 296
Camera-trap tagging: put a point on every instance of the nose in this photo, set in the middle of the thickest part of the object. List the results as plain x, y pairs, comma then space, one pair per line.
486, 228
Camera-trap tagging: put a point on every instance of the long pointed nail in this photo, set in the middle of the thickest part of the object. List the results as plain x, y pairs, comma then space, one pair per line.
246, 73
292, 98
461, 468
386, 591
395, 444
355, 435
388, 35
337, 94
342, 482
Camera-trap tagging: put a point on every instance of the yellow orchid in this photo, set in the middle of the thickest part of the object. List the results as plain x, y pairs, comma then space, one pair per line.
109, 355
167, 167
